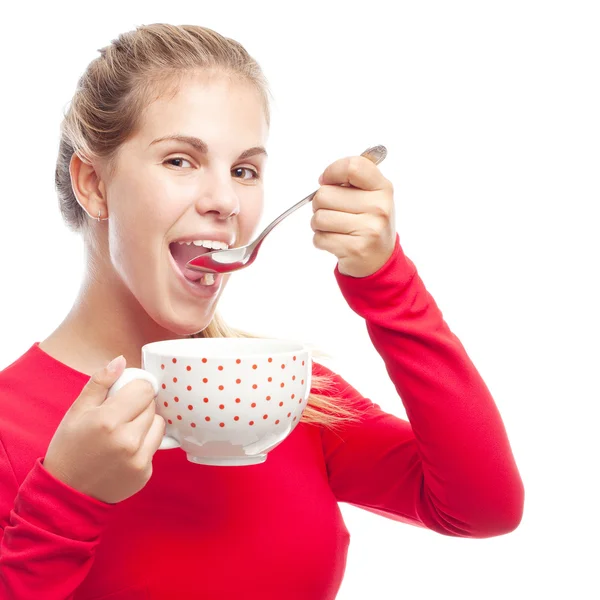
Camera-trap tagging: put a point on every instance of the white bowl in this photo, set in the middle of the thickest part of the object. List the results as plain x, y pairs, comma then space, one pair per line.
226, 401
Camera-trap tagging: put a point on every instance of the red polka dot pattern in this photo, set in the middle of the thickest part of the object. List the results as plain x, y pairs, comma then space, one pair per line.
203, 413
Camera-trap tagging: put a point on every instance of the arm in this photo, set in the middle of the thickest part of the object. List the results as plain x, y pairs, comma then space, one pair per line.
48, 534
451, 468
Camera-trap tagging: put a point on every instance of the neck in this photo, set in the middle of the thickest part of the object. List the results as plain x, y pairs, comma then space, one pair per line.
105, 320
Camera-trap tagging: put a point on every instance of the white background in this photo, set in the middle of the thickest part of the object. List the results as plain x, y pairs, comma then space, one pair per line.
490, 112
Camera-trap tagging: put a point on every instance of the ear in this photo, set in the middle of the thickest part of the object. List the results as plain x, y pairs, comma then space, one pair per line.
88, 188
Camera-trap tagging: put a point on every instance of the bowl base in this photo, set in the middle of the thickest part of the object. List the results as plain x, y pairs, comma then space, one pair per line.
227, 461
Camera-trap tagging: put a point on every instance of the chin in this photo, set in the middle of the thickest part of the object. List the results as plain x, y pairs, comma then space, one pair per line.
186, 328
183, 316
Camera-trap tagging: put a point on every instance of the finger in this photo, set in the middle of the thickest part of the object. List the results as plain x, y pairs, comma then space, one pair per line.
154, 436
130, 401
350, 200
95, 390
339, 244
357, 171
336, 222
140, 426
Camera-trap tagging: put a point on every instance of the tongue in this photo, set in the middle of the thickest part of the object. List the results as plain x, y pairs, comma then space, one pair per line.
182, 254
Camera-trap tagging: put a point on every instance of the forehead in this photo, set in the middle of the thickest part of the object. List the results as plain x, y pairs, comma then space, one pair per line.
211, 106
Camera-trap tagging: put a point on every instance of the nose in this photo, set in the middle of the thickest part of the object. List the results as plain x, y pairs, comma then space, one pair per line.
218, 197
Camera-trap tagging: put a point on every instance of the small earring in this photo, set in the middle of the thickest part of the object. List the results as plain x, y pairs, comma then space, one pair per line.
99, 213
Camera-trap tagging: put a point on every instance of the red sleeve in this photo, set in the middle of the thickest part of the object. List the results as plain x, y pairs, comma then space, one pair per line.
451, 468
48, 534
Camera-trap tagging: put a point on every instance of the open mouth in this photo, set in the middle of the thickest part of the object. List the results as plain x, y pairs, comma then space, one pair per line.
183, 251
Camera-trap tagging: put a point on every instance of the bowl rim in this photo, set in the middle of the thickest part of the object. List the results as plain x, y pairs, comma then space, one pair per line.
290, 347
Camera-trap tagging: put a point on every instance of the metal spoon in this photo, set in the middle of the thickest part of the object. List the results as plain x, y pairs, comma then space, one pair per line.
233, 259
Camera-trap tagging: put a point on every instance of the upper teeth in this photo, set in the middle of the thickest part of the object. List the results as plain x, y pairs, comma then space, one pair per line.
208, 244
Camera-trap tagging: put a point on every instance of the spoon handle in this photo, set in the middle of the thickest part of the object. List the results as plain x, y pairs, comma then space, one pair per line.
375, 154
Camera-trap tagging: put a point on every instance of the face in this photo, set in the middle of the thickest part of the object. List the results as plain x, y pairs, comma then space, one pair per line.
167, 192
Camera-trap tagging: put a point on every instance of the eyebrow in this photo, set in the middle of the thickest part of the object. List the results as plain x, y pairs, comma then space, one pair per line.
202, 146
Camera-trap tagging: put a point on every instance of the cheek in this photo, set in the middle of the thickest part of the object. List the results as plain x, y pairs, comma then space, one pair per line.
140, 218
248, 222
144, 196
128, 249
135, 236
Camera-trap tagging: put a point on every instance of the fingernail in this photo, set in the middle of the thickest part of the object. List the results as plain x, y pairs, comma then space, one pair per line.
115, 363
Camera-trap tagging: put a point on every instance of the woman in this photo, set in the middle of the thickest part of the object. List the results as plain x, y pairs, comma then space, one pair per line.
88, 508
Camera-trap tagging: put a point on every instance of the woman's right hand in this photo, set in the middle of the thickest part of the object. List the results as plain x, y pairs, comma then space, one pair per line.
104, 447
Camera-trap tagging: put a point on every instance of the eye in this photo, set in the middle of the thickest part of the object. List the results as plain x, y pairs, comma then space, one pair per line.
256, 175
177, 158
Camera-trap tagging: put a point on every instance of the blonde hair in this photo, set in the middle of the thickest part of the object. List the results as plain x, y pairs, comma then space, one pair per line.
138, 67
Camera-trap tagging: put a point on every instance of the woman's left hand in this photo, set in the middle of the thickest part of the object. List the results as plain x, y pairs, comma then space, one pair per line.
354, 216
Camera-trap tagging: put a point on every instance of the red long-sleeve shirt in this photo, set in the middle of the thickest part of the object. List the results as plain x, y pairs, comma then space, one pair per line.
273, 530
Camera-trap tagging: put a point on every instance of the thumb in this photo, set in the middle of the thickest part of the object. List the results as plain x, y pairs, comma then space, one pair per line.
95, 390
